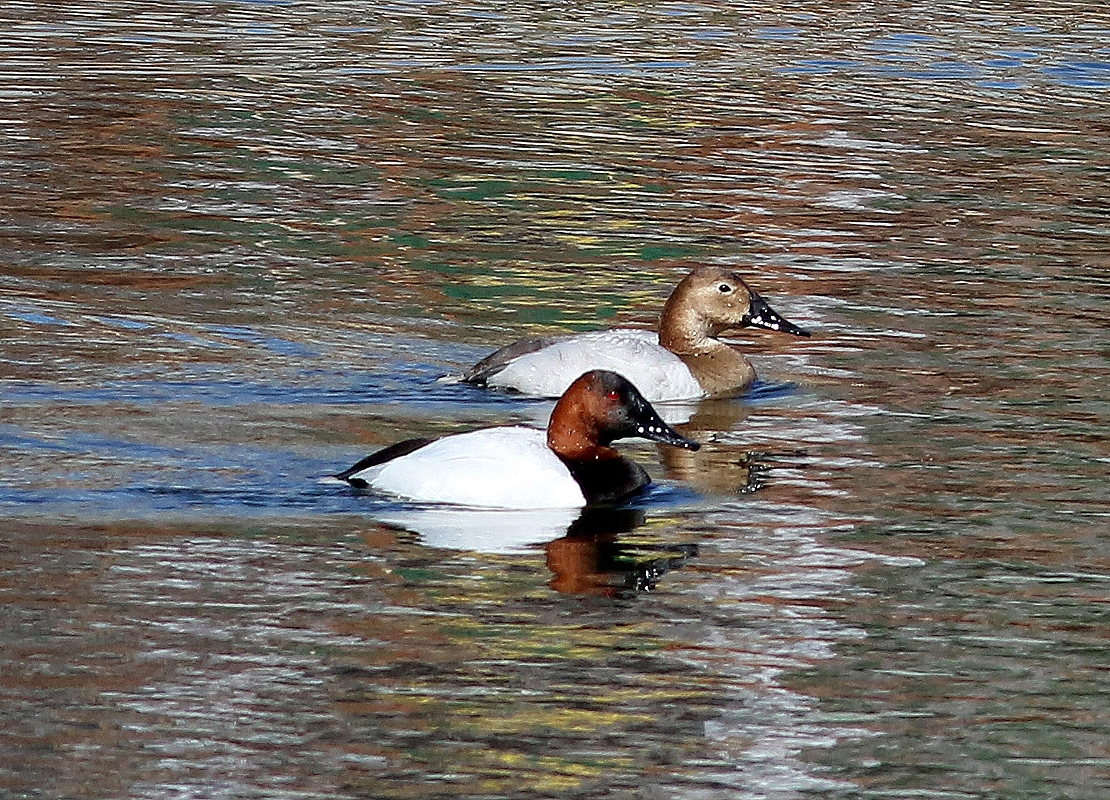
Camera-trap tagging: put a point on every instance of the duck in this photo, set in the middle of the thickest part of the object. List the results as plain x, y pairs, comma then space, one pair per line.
684, 361
570, 465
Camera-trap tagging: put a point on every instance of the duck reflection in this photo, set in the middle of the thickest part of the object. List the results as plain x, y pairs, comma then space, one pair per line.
716, 469
591, 559
481, 530
582, 548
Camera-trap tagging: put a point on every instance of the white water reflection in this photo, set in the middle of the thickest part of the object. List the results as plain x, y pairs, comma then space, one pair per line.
482, 530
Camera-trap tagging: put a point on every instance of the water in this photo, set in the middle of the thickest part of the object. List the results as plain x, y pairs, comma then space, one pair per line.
243, 241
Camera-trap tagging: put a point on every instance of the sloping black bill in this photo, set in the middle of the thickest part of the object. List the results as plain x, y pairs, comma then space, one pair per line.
650, 425
763, 316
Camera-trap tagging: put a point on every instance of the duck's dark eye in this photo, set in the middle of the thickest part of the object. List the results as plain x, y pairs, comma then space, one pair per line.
725, 288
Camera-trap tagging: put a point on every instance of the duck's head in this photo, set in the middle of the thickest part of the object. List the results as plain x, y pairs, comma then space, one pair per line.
601, 407
712, 299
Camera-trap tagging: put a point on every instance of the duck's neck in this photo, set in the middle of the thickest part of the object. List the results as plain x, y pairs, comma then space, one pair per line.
683, 330
573, 437
718, 367
604, 475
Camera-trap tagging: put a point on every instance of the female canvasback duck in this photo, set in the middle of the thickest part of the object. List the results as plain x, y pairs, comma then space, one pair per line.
570, 466
684, 361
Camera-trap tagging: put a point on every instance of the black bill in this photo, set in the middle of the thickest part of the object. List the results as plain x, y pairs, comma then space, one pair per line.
647, 424
763, 316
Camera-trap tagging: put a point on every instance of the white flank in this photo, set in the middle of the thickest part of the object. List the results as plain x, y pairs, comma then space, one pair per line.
490, 468
659, 374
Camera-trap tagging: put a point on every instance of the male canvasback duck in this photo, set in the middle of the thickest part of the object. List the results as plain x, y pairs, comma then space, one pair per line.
684, 361
569, 466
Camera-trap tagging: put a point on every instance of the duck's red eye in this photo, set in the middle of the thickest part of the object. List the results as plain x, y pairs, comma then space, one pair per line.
613, 394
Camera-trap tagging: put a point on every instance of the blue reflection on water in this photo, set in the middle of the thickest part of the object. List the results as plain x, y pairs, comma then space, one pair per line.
419, 386
1081, 74
925, 57
34, 317
122, 322
269, 484
273, 343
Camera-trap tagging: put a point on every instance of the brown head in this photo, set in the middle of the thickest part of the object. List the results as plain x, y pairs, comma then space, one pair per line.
599, 408
709, 301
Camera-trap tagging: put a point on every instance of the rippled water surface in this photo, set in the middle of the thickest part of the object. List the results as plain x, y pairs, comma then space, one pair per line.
241, 242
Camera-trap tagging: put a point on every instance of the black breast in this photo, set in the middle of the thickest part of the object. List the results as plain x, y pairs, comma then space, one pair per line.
608, 480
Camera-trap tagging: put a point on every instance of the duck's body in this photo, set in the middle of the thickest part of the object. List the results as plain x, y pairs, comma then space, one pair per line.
510, 467
636, 354
684, 361
568, 466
